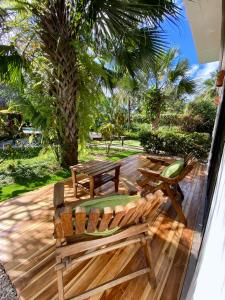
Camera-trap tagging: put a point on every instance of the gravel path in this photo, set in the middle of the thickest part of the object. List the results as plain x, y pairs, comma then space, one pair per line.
7, 289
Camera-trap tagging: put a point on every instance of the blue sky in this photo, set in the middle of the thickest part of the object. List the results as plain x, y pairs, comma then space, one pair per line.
180, 37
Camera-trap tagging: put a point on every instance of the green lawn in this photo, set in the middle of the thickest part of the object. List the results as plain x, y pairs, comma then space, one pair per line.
21, 175
128, 143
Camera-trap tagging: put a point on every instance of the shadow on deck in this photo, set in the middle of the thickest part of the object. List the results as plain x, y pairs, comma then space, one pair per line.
27, 245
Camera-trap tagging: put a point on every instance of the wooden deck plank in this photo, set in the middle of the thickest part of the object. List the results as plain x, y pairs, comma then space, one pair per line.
27, 245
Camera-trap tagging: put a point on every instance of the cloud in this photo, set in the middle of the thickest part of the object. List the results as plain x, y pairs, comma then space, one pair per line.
179, 3
205, 71
200, 73
193, 70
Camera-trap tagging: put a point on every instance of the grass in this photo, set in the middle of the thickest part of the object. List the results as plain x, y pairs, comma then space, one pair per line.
22, 175
133, 143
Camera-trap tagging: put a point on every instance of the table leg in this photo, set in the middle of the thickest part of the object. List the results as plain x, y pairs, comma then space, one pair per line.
92, 187
117, 179
74, 179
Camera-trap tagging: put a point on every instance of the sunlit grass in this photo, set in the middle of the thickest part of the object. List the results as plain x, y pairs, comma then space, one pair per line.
18, 176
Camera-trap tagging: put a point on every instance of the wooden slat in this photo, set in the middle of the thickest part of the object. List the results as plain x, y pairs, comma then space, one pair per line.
99, 181
82, 166
66, 219
141, 203
93, 219
119, 213
58, 197
108, 168
105, 219
80, 220
97, 167
130, 210
110, 284
82, 246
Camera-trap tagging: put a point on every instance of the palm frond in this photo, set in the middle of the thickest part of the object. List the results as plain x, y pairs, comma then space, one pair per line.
180, 70
186, 86
11, 64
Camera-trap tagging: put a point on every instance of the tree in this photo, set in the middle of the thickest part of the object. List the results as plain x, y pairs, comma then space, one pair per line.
169, 82
204, 109
209, 87
73, 34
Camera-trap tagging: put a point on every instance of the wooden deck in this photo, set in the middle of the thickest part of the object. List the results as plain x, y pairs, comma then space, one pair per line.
27, 245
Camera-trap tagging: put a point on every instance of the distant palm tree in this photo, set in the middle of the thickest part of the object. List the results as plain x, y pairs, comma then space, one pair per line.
169, 81
209, 90
125, 29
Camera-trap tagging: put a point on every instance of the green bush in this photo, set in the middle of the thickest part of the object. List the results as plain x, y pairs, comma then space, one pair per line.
190, 123
170, 120
131, 135
176, 143
206, 110
137, 127
20, 153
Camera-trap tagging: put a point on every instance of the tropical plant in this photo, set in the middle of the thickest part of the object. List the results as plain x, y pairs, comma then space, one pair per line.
169, 82
175, 142
204, 109
77, 38
209, 87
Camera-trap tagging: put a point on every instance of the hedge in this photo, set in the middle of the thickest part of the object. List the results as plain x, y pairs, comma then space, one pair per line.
188, 122
176, 143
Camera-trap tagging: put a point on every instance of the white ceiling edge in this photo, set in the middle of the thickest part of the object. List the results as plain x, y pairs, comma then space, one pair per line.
205, 18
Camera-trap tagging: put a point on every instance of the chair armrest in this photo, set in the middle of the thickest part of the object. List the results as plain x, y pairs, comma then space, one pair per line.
150, 173
160, 160
156, 175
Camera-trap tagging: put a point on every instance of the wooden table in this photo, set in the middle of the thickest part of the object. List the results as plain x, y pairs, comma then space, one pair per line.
93, 174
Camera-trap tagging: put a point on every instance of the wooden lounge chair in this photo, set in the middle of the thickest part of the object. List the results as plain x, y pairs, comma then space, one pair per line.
152, 181
82, 233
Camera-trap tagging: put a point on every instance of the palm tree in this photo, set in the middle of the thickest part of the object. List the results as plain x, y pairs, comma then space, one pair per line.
169, 81
209, 90
68, 29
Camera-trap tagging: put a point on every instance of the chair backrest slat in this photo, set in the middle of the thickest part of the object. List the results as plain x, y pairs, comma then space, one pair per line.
66, 218
140, 204
93, 220
107, 215
119, 213
130, 210
153, 200
58, 197
80, 220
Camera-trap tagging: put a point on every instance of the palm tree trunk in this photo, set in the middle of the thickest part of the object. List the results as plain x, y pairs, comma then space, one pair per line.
155, 122
57, 36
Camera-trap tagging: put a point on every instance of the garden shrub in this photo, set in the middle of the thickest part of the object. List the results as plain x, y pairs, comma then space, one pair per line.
190, 123
20, 153
170, 119
131, 135
176, 143
137, 127
206, 110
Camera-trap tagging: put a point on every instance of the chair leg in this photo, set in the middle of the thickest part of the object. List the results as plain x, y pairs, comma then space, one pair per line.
148, 257
176, 206
180, 191
60, 281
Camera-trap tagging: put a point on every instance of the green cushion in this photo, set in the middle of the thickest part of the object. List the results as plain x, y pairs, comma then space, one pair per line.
103, 233
110, 201
173, 169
